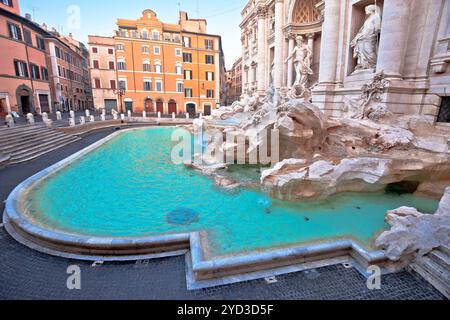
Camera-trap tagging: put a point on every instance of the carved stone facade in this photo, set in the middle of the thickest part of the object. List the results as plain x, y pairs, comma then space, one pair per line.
351, 42
270, 30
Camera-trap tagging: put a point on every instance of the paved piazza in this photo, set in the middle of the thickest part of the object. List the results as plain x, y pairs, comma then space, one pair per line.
27, 274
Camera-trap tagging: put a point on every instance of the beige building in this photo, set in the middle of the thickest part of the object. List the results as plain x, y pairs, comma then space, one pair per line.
103, 72
234, 83
411, 46
69, 72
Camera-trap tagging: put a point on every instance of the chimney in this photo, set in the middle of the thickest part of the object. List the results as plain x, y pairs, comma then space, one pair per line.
28, 16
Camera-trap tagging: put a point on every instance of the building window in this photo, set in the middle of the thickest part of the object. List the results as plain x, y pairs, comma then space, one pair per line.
159, 86
209, 76
96, 64
188, 93
157, 50
210, 94
58, 52
188, 74
21, 68
158, 68
14, 31
121, 65
186, 42
146, 67
98, 84
94, 50
27, 37
122, 84
180, 87
147, 85
35, 74
44, 72
112, 84
145, 49
155, 35
178, 52
110, 51
144, 34
7, 2
209, 59
59, 71
187, 57
179, 70
120, 47
444, 110
112, 65
209, 44
40, 42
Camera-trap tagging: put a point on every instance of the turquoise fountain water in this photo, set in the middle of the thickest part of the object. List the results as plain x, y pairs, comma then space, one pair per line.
130, 188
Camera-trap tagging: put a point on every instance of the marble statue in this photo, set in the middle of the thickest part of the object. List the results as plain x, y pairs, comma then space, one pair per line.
302, 55
365, 44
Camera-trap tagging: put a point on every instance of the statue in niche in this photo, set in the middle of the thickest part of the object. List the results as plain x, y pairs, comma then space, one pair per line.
365, 44
302, 55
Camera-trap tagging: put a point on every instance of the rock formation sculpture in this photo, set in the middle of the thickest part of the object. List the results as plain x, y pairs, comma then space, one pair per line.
415, 233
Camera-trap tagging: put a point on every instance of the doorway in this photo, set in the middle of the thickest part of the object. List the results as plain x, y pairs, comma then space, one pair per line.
172, 107
207, 109
160, 106
191, 109
148, 106
44, 102
129, 106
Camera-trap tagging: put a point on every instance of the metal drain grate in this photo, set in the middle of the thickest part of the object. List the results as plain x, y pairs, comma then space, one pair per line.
271, 280
347, 265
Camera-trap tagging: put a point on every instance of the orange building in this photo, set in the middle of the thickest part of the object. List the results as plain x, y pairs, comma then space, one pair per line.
168, 68
24, 73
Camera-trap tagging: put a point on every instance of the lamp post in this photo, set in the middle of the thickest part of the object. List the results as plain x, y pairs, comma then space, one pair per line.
120, 93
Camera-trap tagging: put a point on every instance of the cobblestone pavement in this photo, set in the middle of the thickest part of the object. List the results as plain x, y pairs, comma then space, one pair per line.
27, 274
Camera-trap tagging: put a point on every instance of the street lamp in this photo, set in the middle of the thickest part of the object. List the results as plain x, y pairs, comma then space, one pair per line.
120, 93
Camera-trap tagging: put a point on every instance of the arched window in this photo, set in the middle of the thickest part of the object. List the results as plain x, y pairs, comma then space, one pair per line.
155, 35
305, 12
146, 66
158, 66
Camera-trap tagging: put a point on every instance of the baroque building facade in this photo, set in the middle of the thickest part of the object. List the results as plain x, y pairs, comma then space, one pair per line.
350, 41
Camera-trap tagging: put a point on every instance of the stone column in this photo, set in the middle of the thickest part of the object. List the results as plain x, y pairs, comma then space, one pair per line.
310, 37
279, 39
330, 42
290, 66
394, 36
262, 13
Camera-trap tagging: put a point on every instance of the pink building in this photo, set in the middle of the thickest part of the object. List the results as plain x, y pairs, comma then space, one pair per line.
24, 74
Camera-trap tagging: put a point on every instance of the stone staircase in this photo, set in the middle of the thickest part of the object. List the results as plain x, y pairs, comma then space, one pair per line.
435, 268
24, 143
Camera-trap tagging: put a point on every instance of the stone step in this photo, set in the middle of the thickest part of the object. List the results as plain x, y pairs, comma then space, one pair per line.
441, 259
445, 249
20, 136
43, 150
55, 141
434, 273
27, 141
12, 132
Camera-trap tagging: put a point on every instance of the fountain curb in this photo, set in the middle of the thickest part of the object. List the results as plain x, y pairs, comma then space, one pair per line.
72, 246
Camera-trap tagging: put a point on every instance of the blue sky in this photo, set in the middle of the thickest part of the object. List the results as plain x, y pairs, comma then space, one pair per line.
98, 17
